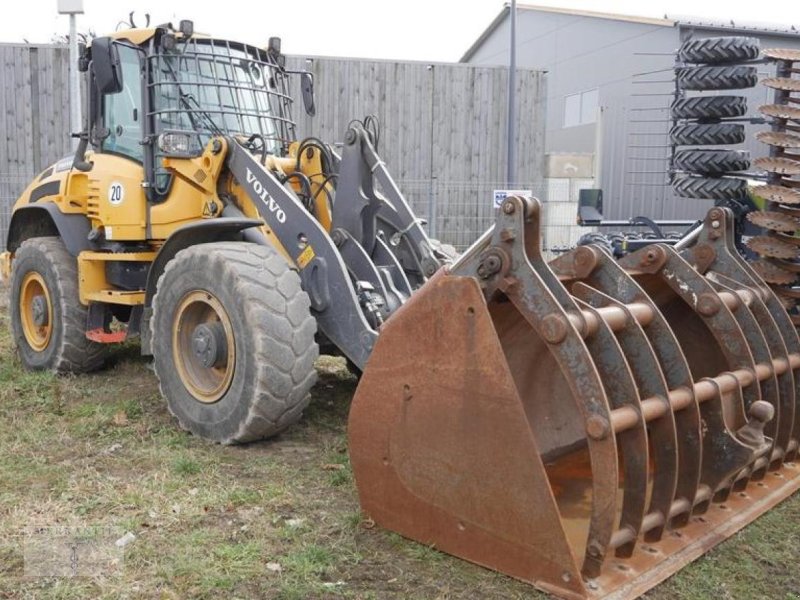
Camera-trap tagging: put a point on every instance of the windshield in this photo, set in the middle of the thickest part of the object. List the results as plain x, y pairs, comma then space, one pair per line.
207, 87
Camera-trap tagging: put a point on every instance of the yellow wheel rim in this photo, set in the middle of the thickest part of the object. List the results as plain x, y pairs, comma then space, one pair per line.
203, 346
36, 311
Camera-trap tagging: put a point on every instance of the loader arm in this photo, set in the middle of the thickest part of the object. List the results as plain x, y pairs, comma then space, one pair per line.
371, 207
324, 275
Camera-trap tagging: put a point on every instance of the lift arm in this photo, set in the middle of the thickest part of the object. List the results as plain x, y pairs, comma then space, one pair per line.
323, 273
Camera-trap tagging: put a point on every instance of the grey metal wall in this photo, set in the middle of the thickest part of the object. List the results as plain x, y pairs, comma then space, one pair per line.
442, 125
630, 63
582, 53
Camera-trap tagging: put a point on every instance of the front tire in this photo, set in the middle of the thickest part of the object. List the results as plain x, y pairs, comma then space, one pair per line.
48, 321
233, 341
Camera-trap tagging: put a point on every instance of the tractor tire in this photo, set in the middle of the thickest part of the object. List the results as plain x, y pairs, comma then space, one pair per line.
709, 107
707, 188
718, 50
48, 321
698, 134
233, 341
712, 162
595, 238
717, 78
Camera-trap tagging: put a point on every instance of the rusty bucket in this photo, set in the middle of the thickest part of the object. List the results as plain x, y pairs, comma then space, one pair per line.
589, 425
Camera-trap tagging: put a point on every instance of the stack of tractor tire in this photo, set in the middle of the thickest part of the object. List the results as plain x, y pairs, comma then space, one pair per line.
705, 124
617, 243
779, 247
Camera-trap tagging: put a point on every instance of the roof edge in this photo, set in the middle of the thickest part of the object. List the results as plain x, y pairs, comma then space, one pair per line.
662, 22
486, 33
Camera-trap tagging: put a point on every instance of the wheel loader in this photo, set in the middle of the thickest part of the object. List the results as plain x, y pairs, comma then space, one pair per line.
587, 425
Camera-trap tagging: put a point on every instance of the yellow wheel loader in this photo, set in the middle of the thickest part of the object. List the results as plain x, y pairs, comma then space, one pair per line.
587, 425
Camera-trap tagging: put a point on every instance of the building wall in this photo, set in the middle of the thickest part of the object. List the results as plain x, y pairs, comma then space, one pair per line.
582, 53
443, 127
630, 65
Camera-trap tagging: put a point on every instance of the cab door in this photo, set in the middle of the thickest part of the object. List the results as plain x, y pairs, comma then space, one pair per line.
118, 172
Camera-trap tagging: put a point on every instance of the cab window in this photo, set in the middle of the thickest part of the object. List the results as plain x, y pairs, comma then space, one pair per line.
122, 111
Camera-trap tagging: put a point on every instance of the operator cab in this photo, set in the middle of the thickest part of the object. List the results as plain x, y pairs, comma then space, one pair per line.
161, 92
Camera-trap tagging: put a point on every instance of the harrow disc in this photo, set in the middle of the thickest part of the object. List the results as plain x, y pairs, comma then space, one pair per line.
775, 138
772, 247
780, 111
772, 273
786, 84
789, 54
774, 164
776, 193
786, 301
774, 221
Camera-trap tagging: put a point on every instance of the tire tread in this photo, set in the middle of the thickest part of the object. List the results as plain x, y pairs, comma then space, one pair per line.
258, 274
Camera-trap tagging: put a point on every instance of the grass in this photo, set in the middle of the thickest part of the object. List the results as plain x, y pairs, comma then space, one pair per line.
278, 519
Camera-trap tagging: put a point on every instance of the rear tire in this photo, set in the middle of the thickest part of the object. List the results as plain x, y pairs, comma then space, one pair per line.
717, 50
595, 238
706, 188
717, 78
709, 107
48, 321
262, 333
712, 162
696, 134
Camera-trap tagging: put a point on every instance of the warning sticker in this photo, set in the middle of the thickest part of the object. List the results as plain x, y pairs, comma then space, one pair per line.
306, 256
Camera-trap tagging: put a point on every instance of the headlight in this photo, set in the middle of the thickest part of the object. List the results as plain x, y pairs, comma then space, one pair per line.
177, 144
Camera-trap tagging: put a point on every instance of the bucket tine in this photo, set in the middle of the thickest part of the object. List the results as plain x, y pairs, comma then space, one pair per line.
715, 251
768, 382
633, 443
779, 358
653, 390
600, 271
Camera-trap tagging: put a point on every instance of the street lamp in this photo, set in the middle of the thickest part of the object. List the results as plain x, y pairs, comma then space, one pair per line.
511, 124
72, 8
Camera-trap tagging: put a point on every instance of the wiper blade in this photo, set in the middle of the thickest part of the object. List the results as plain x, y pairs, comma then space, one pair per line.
184, 98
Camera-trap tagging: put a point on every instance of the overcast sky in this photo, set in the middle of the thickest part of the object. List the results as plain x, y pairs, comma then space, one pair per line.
435, 30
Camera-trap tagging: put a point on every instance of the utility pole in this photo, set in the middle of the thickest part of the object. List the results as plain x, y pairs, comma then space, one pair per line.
511, 175
73, 8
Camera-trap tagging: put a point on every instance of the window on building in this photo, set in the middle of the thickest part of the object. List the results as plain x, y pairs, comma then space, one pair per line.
581, 108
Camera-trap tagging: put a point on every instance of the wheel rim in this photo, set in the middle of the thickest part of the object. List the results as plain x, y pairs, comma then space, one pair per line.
203, 346
36, 311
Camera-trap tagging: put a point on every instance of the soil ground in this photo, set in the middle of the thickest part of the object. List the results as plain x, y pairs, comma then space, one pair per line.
276, 519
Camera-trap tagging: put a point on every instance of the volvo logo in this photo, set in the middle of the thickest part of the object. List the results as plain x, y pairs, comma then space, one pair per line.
271, 205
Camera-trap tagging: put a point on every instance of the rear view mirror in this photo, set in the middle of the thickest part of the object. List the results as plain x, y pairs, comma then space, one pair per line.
107, 67
307, 89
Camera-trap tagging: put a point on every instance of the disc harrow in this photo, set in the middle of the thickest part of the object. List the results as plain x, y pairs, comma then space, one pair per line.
779, 264
774, 221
